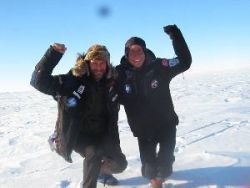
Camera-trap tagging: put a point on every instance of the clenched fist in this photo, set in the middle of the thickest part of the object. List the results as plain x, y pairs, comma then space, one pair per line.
172, 31
59, 47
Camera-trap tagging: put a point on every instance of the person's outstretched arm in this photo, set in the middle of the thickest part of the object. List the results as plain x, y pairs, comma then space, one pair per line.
184, 59
42, 79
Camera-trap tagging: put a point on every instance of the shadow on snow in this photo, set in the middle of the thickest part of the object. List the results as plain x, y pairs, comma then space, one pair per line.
220, 176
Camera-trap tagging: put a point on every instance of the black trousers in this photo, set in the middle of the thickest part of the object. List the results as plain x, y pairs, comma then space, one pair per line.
101, 155
158, 163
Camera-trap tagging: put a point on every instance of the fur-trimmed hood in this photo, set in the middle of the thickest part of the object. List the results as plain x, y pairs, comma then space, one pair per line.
94, 52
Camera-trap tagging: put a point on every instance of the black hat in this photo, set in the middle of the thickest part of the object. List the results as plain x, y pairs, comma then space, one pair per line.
132, 41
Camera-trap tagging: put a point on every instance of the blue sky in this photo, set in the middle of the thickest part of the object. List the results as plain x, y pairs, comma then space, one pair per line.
217, 31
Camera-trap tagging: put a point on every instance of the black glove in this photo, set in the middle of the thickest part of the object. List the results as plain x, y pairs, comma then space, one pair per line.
171, 30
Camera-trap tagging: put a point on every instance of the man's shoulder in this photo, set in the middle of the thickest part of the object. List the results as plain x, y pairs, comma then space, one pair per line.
119, 67
161, 63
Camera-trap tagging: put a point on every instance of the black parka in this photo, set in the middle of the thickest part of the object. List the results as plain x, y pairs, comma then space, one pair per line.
72, 95
145, 92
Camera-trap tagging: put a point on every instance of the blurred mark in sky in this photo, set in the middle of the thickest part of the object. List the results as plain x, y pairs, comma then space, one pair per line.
103, 11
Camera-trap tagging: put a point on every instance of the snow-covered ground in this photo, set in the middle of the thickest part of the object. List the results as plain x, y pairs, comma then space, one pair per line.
213, 145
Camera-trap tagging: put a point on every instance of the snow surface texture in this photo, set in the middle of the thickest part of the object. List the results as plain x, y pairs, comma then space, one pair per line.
212, 147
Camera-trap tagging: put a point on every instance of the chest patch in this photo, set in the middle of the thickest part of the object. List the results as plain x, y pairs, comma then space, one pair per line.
127, 88
81, 89
71, 102
164, 62
154, 84
173, 62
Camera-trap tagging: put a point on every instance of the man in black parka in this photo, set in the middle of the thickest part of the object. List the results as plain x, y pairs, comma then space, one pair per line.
87, 111
144, 91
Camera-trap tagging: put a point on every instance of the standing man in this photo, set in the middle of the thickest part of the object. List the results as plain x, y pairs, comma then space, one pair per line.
144, 91
87, 111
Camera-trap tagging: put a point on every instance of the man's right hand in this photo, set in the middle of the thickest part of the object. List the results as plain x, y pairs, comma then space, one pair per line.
59, 47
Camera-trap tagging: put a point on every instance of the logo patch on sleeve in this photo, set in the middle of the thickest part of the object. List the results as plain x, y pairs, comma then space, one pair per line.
81, 89
164, 62
173, 62
71, 102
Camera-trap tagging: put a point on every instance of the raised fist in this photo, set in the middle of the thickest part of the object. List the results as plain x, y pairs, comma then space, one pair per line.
59, 47
171, 30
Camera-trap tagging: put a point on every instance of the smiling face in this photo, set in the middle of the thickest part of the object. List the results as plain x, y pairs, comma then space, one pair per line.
98, 68
136, 56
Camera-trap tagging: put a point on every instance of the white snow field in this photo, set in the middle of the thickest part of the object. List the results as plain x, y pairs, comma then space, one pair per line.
213, 137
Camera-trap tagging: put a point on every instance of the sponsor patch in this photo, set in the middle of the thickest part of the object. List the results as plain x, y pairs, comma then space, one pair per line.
111, 89
114, 98
164, 62
127, 88
81, 89
71, 102
154, 84
77, 95
173, 62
